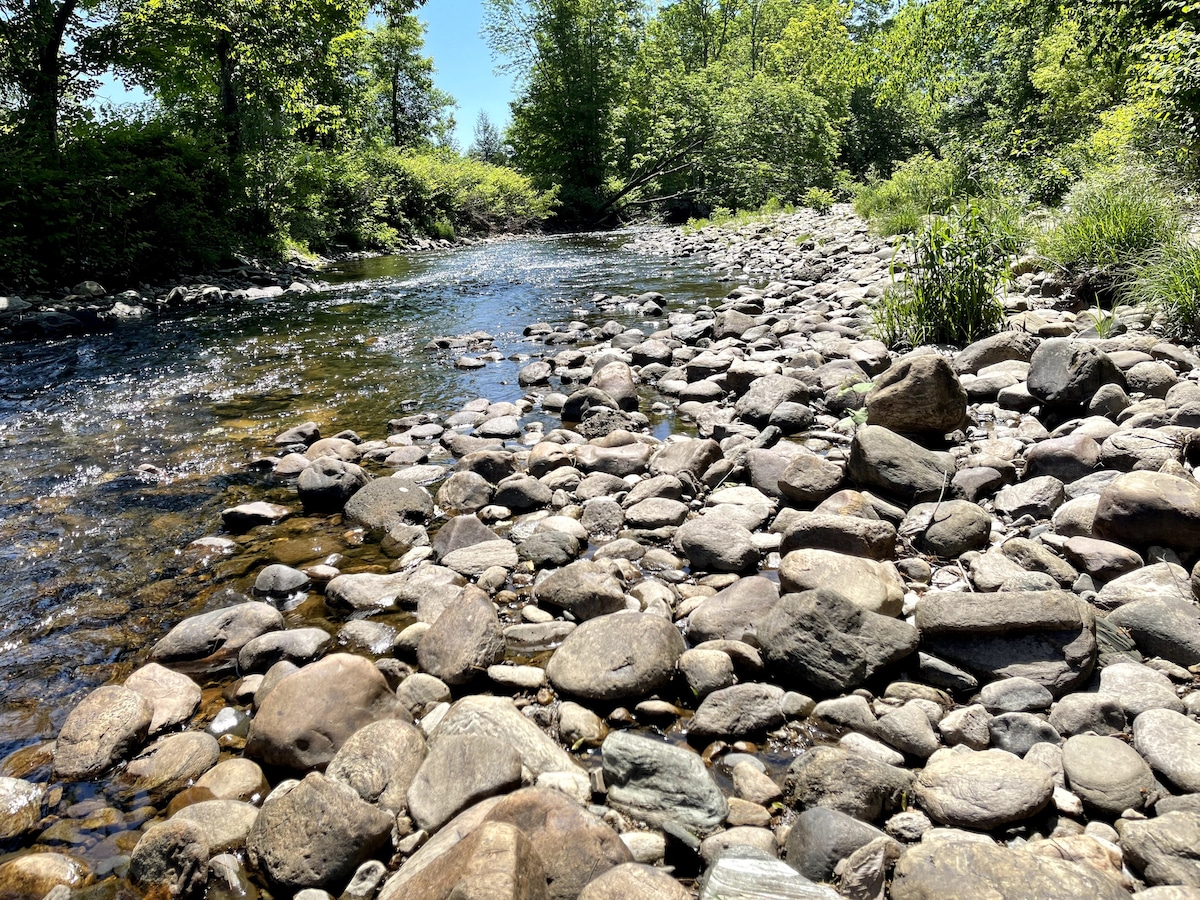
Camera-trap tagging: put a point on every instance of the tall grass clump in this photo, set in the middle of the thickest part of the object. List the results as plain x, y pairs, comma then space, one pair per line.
921, 186
1169, 284
953, 268
1112, 222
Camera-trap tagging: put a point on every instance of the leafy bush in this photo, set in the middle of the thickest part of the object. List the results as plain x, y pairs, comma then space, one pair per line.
920, 186
120, 200
1112, 220
1170, 284
370, 199
723, 217
954, 266
819, 199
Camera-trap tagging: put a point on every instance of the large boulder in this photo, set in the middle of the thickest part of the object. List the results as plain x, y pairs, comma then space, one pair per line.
464, 640
738, 711
1167, 740
380, 761
328, 482
659, 783
969, 869
822, 639
839, 779
211, 641
766, 394
882, 460
169, 765
617, 657
1139, 509
692, 456
583, 589
172, 856
1163, 849
808, 478
616, 379
875, 586
311, 713
715, 543
574, 844
494, 861
499, 718
1167, 628
174, 696
1064, 374
107, 727
634, 881
34, 875
460, 770
387, 502
822, 837
1107, 774
918, 395
982, 790
995, 348
22, 802
1046, 636
315, 835
733, 612
947, 529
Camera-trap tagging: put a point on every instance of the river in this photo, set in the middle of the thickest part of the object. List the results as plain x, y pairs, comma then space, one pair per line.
93, 568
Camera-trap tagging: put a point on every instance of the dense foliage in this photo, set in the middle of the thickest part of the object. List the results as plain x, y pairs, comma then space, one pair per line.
274, 124
692, 105
316, 123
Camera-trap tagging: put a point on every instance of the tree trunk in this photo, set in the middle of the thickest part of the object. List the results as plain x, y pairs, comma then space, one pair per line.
46, 90
394, 106
229, 100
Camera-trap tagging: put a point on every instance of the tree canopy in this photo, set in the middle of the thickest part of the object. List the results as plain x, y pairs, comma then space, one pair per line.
317, 123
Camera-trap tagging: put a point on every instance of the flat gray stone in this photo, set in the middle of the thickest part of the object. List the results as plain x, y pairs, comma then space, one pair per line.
459, 771
982, 790
1167, 740
658, 782
1107, 774
969, 870
617, 657
106, 727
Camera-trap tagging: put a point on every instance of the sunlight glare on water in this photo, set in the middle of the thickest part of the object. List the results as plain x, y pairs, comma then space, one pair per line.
91, 568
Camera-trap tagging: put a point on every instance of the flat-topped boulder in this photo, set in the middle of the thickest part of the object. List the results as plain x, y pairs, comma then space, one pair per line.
884, 461
1046, 636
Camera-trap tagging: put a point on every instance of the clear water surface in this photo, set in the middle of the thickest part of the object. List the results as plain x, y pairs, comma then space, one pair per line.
93, 568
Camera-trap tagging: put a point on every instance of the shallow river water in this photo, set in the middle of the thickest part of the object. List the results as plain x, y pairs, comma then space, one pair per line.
92, 562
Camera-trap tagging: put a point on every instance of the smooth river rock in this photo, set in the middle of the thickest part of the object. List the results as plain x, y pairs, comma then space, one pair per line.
983, 790
105, 728
659, 783
315, 835
309, 715
1167, 740
969, 870
617, 657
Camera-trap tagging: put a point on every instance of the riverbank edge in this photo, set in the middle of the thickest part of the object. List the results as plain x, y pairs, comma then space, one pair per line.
89, 308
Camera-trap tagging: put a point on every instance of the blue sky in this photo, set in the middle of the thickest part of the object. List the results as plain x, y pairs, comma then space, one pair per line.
464, 64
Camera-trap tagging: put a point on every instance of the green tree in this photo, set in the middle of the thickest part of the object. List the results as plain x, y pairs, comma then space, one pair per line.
260, 69
487, 144
50, 50
399, 96
572, 58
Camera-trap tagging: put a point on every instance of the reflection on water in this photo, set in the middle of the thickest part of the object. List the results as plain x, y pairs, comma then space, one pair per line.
91, 563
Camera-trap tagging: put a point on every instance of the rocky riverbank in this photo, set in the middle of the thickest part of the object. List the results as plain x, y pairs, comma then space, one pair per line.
89, 307
911, 626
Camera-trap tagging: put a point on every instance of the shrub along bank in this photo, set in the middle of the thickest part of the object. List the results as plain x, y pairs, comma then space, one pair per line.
130, 202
